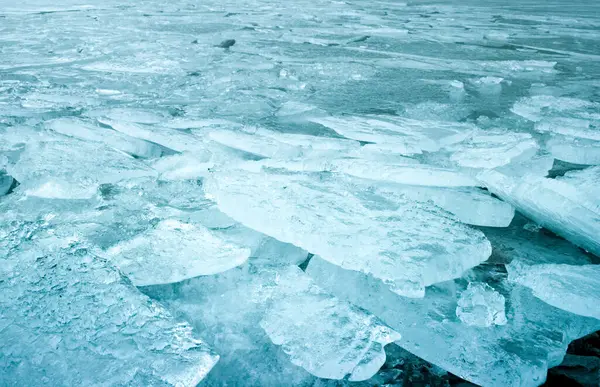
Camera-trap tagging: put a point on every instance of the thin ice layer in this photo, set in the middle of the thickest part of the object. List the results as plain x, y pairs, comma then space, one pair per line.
567, 205
410, 136
263, 318
575, 289
70, 317
173, 251
407, 244
518, 353
72, 169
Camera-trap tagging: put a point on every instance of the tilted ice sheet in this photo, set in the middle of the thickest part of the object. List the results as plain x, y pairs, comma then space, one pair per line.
244, 310
575, 289
67, 170
71, 318
567, 205
407, 244
173, 251
518, 353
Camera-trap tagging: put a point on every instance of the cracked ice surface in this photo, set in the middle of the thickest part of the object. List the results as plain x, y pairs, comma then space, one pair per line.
403, 142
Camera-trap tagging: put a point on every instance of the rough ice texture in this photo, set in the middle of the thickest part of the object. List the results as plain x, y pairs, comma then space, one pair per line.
518, 353
407, 244
480, 305
66, 170
261, 318
173, 251
575, 289
567, 205
70, 318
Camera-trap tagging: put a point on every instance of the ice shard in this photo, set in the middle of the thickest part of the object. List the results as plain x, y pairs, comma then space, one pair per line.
407, 244
567, 205
173, 251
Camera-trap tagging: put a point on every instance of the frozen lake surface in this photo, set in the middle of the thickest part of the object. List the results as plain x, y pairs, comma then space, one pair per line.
314, 193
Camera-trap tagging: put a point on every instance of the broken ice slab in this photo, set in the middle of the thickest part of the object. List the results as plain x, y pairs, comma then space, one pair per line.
492, 149
172, 139
574, 288
403, 171
71, 318
574, 150
568, 205
519, 353
306, 141
470, 205
83, 130
481, 305
257, 145
72, 169
405, 243
542, 107
184, 166
410, 136
173, 251
324, 352
242, 312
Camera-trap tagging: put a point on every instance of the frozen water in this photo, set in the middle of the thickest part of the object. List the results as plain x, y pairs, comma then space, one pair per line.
71, 318
567, 205
481, 306
572, 288
407, 244
173, 251
415, 147
518, 353
246, 311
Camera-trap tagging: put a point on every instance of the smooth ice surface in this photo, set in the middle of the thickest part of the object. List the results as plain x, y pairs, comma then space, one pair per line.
568, 205
518, 353
407, 244
480, 305
267, 315
173, 251
70, 317
575, 289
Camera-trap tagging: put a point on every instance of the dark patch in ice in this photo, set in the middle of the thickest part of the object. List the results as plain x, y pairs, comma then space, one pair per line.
226, 43
304, 264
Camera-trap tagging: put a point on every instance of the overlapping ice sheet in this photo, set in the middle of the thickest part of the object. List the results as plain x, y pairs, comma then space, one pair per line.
518, 353
69, 317
567, 205
173, 251
575, 289
407, 244
66, 170
242, 312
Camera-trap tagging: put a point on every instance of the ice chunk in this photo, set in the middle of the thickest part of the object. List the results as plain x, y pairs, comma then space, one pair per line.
540, 107
83, 130
258, 145
305, 141
245, 311
574, 150
488, 85
519, 353
173, 251
69, 317
481, 306
72, 169
408, 135
170, 138
407, 244
184, 166
567, 205
493, 149
575, 289
324, 351
470, 205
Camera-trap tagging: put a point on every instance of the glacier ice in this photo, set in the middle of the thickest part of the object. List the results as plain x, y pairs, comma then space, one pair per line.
407, 244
